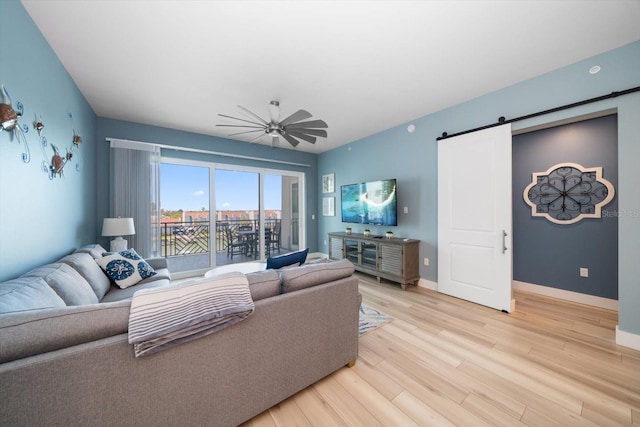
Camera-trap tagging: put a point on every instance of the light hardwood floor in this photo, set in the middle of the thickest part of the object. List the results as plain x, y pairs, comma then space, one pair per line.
444, 361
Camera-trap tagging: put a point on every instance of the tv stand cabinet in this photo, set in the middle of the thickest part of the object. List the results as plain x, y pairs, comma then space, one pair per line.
392, 259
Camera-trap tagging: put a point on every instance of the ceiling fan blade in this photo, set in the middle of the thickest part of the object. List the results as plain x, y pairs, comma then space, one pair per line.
245, 132
316, 132
291, 139
242, 126
307, 138
237, 118
253, 114
296, 117
309, 124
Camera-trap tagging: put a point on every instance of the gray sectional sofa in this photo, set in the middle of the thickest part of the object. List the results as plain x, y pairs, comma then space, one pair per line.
66, 360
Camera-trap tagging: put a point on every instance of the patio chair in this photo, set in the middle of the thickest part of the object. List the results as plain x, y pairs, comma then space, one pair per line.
235, 245
272, 239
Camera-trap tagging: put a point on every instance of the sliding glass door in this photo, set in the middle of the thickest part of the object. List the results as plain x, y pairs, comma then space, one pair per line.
213, 214
254, 208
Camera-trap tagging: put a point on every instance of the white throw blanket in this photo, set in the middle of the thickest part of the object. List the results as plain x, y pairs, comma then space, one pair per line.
163, 317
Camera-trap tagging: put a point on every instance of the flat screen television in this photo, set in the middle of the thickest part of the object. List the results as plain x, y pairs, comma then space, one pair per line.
374, 202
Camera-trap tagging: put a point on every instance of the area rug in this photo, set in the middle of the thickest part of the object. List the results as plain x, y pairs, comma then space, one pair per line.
370, 319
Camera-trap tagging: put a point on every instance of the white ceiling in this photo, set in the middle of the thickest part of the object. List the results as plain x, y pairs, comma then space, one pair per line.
361, 66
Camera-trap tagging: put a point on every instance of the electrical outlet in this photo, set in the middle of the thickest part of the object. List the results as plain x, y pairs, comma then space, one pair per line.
426, 261
313, 216
406, 209
584, 272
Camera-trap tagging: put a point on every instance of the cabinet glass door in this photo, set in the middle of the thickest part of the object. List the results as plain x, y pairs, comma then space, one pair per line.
369, 254
351, 250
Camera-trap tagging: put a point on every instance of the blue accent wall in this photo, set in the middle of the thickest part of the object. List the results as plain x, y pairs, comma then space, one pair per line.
412, 157
41, 219
108, 128
549, 254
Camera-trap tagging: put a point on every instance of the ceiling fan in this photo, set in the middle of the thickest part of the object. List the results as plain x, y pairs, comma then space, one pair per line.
292, 128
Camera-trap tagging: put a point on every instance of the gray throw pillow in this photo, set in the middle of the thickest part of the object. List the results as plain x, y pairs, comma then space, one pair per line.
27, 293
306, 276
95, 250
84, 264
263, 284
67, 282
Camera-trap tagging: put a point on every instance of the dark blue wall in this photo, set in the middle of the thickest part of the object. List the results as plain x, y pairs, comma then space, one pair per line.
551, 254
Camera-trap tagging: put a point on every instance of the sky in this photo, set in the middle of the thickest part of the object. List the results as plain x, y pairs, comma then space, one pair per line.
187, 188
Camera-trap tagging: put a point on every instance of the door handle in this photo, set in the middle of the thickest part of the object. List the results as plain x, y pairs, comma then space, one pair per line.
504, 241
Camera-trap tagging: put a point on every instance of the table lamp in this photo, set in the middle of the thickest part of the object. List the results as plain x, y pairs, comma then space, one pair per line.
118, 227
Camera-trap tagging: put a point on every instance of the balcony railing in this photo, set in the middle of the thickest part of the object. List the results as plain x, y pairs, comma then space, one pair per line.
186, 238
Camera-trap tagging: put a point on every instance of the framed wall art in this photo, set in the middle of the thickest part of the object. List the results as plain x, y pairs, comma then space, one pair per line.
329, 183
328, 206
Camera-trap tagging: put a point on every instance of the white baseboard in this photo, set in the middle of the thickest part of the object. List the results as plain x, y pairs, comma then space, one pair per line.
428, 284
607, 303
627, 339
317, 255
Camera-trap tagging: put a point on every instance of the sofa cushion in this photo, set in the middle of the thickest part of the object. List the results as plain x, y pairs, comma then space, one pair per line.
95, 250
118, 294
263, 284
306, 276
27, 293
125, 268
84, 264
67, 282
287, 259
30, 333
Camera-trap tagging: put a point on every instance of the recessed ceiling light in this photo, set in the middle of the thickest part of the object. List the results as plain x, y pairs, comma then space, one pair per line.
594, 70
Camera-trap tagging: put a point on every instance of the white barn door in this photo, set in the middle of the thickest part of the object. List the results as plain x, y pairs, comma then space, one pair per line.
474, 217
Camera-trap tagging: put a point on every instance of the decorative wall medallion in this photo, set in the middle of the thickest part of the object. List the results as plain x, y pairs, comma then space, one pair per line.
568, 192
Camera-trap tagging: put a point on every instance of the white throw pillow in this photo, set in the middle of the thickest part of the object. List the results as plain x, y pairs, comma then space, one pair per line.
125, 268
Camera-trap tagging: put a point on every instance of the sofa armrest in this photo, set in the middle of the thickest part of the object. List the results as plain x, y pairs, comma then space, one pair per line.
157, 263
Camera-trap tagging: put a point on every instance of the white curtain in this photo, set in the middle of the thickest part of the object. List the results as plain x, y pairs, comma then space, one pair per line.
134, 192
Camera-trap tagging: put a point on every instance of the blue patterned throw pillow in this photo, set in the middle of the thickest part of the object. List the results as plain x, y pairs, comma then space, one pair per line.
125, 268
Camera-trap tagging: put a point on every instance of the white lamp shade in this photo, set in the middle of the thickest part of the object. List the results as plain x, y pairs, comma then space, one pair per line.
118, 227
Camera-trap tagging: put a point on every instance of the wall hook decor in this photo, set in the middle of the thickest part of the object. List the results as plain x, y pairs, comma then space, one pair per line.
38, 125
77, 139
59, 161
9, 121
